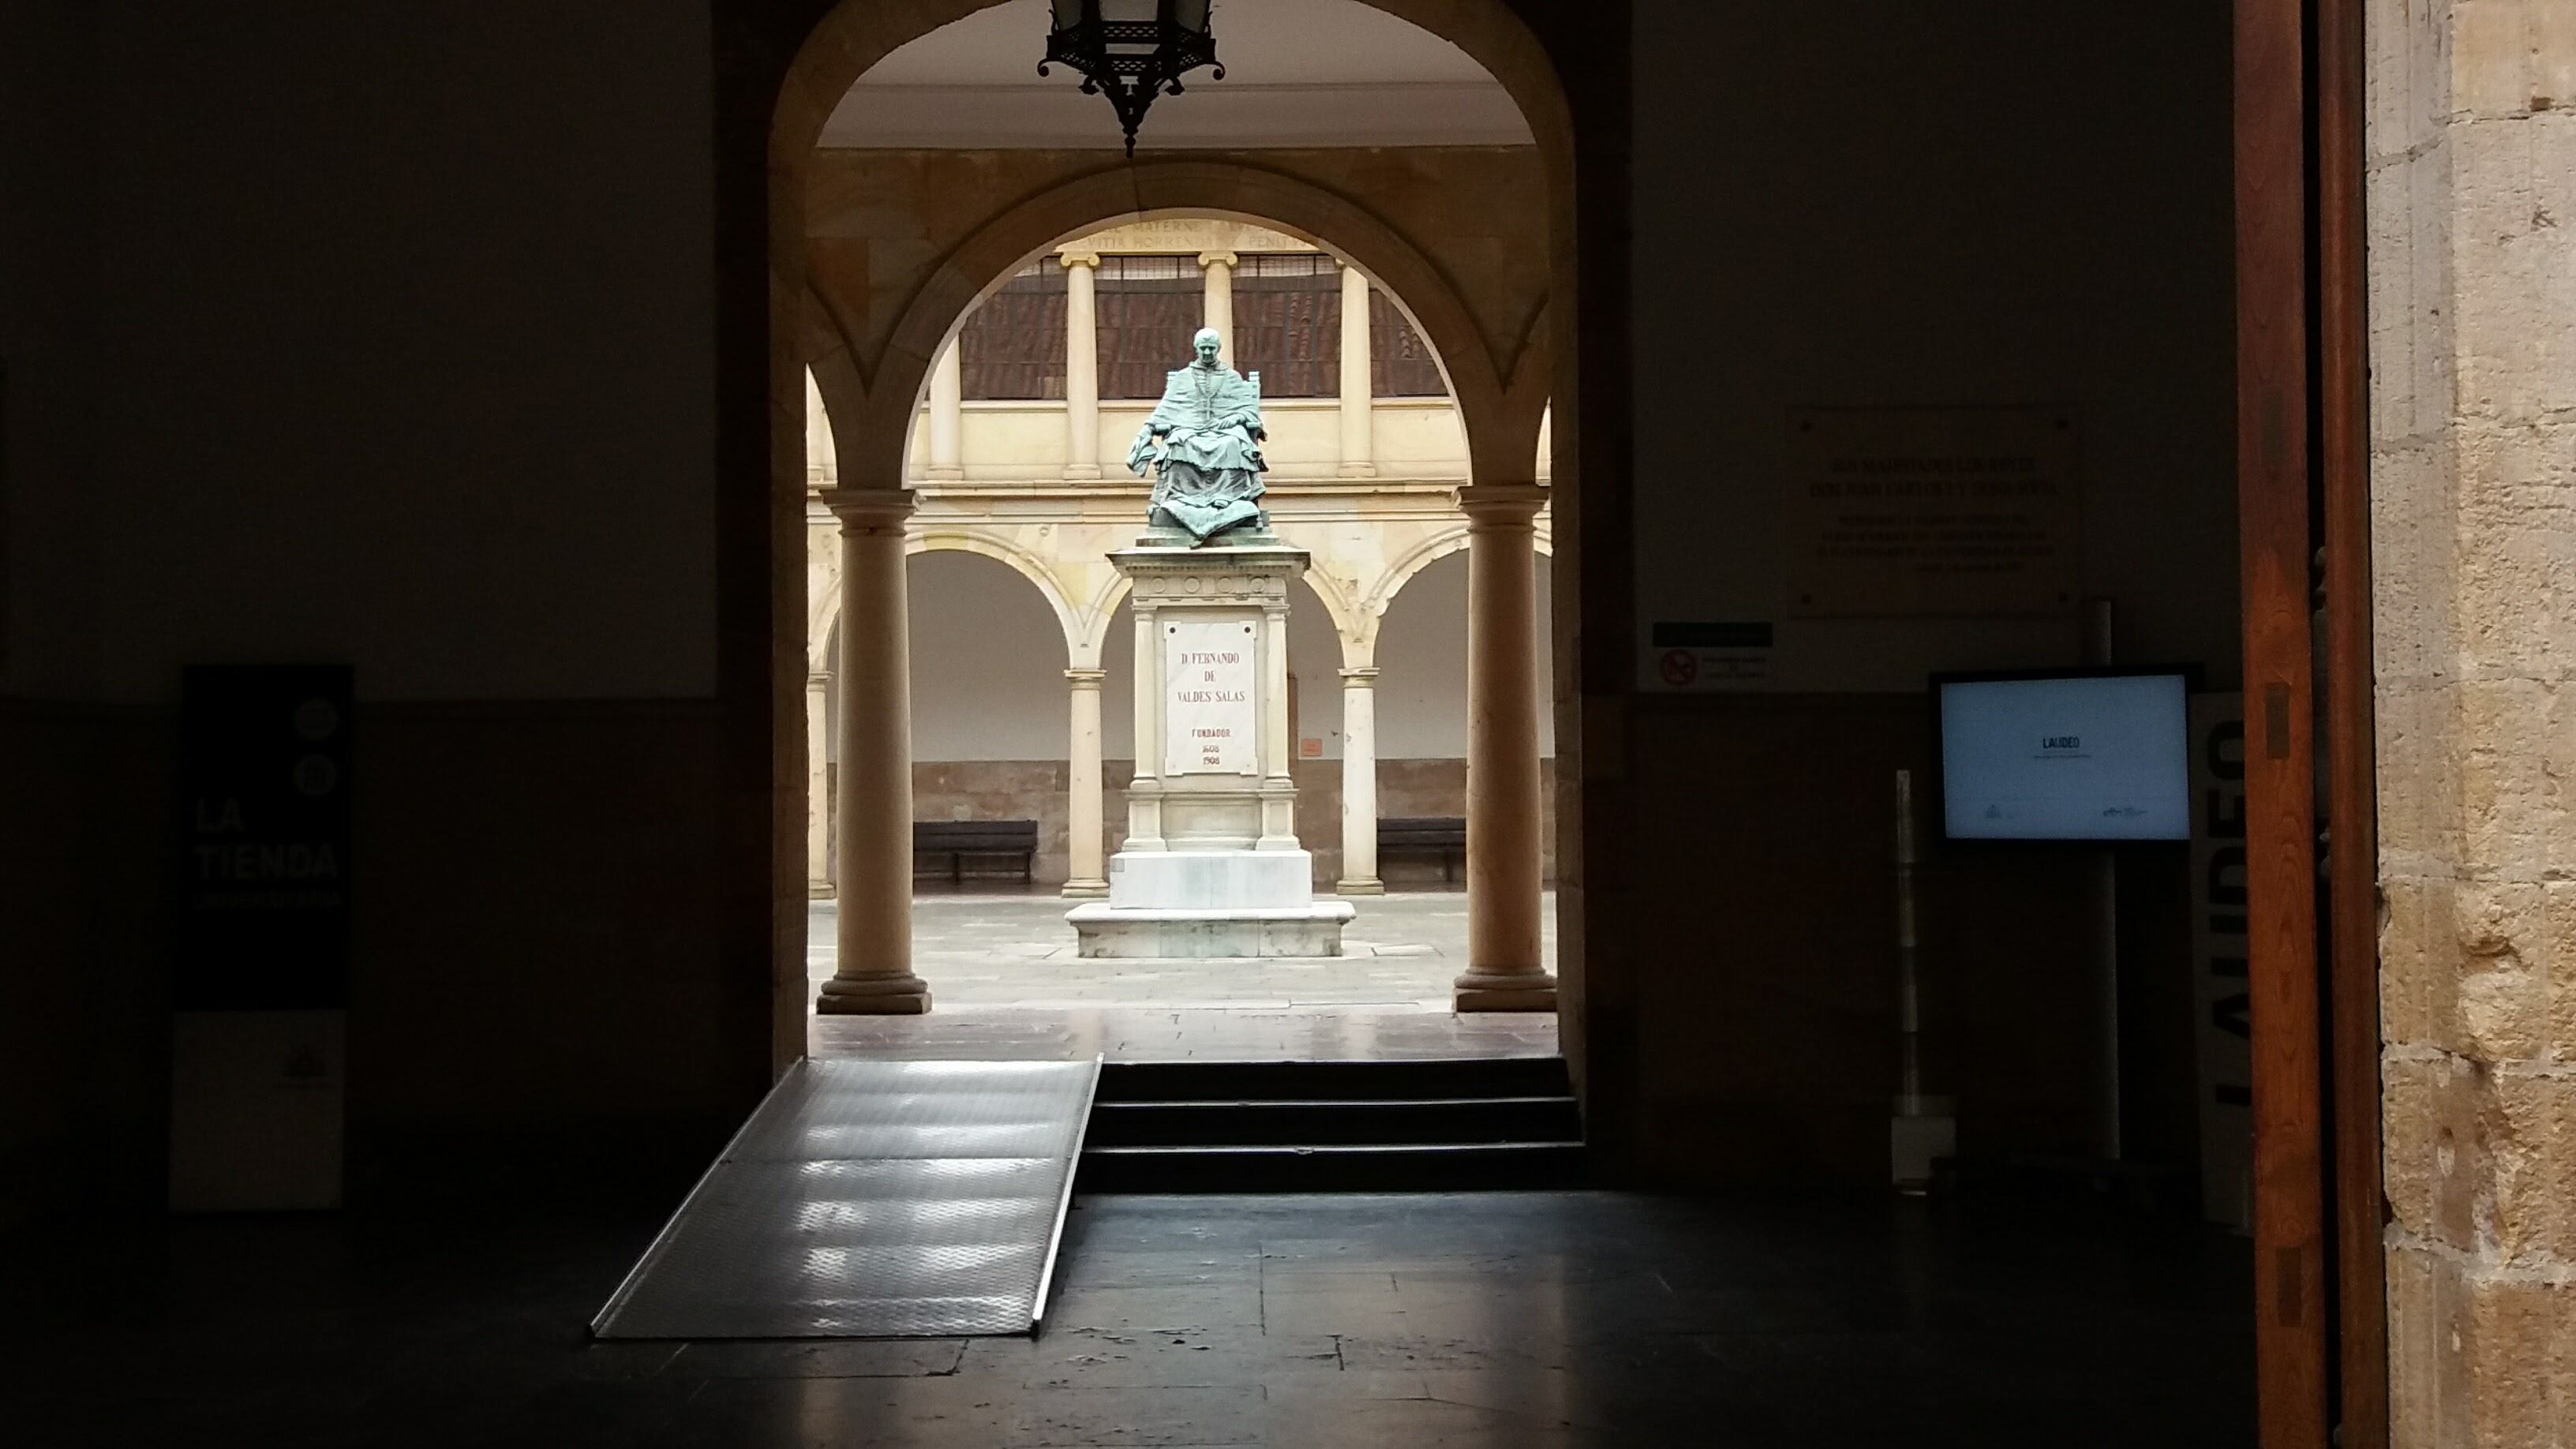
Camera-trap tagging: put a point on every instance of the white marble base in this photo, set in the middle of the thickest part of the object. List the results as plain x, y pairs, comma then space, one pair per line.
1150, 933
1211, 880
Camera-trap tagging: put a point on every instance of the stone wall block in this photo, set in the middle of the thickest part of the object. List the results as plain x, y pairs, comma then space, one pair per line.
2559, 901
2395, 119
2414, 1326
2440, 1181
2517, 567
2419, 825
2420, 30
2502, 972
2492, 206
2551, 244
2405, 932
2490, 57
2551, 34
2411, 1091
2414, 545
2432, 375
2499, 790
2510, 1370
2530, 1131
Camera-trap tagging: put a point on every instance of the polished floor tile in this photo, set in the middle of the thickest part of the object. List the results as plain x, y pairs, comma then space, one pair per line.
1490, 1319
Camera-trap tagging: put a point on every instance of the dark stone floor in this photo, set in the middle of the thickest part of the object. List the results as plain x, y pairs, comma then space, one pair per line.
1486, 1319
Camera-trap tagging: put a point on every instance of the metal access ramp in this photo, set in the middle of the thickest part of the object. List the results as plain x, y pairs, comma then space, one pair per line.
872, 1199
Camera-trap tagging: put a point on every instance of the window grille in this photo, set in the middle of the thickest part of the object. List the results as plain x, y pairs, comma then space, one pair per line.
1288, 323
1012, 346
1148, 308
1400, 363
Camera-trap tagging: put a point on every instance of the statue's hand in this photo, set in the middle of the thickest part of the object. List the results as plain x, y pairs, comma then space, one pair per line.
1141, 454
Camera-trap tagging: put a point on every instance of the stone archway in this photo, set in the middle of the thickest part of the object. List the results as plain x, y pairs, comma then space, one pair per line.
1503, 366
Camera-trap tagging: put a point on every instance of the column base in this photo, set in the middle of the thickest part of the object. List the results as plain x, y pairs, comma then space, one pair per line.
1082, 473
1085, 890
944, 475
905, 995
1356, 470
1495, 991
1364, 886
819, 890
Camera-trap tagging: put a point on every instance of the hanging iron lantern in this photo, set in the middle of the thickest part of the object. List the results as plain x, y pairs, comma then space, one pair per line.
1131, 49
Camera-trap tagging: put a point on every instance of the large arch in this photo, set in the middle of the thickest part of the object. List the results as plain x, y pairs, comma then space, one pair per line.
1502, 384
1498, 384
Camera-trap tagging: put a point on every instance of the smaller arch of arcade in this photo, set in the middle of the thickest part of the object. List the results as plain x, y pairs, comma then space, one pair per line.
1024, 562
1368, 615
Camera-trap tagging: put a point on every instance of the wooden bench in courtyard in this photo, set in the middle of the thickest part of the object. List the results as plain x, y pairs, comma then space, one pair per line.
944, 847
1444, 836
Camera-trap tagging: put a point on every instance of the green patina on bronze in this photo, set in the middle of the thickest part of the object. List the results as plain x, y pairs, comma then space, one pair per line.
1207, 476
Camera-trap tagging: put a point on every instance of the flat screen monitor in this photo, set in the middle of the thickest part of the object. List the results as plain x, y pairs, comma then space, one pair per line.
2079, 755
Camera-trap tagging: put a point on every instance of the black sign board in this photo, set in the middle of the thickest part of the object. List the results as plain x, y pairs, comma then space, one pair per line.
264, 774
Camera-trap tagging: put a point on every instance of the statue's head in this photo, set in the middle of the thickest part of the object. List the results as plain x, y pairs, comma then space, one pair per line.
1207, 344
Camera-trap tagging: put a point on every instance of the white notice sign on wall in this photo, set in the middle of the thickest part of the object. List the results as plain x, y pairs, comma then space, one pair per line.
1207, 698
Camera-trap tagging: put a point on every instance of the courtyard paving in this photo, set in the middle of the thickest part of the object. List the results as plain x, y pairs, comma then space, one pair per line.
1005, 982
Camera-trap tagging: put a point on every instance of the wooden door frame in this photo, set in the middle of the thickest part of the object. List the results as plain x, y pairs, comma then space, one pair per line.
2303, 484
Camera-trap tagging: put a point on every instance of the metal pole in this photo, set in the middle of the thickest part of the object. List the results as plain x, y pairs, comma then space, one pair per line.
1924, 1130
1909, 1016
2106, 934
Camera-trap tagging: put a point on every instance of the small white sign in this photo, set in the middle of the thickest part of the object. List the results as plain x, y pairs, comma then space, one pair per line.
1208, 712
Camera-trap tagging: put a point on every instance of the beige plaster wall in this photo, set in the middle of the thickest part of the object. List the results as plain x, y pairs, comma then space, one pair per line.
2472, 156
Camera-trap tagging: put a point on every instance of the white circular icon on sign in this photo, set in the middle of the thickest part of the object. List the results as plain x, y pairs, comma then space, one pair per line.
316, 718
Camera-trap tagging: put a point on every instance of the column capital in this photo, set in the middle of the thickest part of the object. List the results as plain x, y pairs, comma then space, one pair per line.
1362, 676
1071, 260
1501, 504
1085, 678
1218, 259
869, 510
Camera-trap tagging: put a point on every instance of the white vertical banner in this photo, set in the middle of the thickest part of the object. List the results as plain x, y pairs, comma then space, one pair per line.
1209, 712
2223, 1038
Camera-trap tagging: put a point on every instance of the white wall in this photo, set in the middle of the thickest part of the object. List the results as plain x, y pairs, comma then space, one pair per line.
1934, 202
1422, 666
411, 311
988, 662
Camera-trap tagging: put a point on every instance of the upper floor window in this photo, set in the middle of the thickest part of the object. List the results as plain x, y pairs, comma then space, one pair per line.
1288, 323
1012, 346
1148, 308
1400, 363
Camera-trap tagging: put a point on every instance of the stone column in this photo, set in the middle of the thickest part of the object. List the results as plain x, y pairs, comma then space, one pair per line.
1504, 972
873, 870
1359, 784
1083, 876
818, 776
947, 416
2471, 255
1359, 445
1220, 298
1278, 790
1081, 366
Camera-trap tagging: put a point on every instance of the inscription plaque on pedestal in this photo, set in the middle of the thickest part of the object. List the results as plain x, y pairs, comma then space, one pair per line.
1208, 719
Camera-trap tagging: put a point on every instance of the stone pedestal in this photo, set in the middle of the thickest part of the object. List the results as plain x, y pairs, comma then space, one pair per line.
1212, 867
